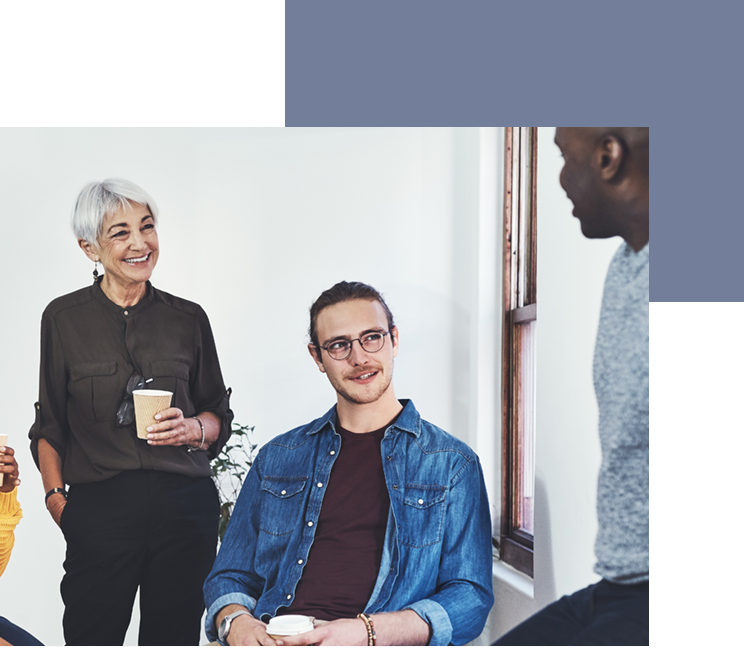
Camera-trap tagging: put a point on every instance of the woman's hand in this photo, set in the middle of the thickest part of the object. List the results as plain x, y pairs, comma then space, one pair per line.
55, 505
51, 474
9, 469
174, 429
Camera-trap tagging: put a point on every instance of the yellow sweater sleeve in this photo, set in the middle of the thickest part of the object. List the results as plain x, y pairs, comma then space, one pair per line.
10, 515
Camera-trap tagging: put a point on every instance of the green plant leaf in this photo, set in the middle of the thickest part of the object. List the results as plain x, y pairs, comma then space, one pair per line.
229, 469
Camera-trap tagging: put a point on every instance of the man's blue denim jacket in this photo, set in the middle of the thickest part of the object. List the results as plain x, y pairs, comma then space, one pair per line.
437, 554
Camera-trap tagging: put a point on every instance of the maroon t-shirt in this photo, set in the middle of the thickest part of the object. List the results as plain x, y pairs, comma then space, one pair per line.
343, 562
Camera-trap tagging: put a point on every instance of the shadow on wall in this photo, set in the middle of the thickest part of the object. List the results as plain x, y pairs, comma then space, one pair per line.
545, 590
511, 606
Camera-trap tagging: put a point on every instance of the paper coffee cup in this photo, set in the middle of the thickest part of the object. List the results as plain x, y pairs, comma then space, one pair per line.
289, 624
147, 403
3, 442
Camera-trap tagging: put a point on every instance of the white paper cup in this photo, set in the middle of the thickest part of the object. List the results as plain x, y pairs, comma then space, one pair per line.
147, 403
3, 442
289, 624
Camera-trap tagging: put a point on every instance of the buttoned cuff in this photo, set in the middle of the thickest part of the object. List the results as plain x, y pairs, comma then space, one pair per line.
233, 598
437, 618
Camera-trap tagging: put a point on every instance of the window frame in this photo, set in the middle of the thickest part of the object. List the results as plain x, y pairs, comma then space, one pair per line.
519, 306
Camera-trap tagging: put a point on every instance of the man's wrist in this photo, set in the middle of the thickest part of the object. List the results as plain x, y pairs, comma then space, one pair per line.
227, 616
369, 629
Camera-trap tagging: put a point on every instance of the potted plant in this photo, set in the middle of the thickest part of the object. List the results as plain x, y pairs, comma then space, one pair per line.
229, 469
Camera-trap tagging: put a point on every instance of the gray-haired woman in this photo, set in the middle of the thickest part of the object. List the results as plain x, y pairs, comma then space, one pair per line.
139, 513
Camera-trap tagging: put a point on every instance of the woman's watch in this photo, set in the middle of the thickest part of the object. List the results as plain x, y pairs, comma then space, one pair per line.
225, 624
52, 492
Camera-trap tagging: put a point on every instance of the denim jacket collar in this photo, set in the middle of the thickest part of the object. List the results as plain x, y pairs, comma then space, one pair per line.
409, 420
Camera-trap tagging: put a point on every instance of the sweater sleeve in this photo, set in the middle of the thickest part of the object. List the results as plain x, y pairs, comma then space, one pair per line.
10, 515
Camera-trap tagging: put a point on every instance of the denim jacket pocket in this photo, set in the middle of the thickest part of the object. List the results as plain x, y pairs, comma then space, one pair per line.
423, 515
281, 504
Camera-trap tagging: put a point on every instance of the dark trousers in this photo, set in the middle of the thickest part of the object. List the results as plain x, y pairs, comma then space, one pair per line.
603, 614
144, 529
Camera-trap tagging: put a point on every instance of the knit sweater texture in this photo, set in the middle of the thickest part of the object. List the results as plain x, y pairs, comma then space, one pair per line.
621, 386
10, 516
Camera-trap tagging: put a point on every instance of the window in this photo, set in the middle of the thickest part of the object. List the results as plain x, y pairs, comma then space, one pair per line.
518, 349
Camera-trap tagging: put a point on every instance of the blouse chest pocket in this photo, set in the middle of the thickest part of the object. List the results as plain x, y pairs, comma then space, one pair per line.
422, 514
172, 376
281, 504
95, 387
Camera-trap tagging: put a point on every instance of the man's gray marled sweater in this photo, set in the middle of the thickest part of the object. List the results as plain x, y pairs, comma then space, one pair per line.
621, 385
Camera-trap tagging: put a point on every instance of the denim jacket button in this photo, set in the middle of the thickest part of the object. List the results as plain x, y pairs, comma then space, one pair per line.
310, 523
289, 596
333, 452
389, 457
300, 561
395, 486
320, 484
421, 501
284, 492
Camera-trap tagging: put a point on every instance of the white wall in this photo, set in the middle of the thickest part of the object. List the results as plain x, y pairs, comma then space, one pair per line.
254, 225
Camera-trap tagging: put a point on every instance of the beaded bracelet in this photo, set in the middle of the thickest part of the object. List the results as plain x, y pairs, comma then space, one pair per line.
201, 445
371, 635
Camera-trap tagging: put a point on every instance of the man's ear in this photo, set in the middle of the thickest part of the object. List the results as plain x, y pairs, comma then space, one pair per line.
91, 251
315, 353
610, 157
394, 335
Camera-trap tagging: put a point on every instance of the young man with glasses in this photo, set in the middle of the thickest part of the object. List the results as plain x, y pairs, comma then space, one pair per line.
369, 518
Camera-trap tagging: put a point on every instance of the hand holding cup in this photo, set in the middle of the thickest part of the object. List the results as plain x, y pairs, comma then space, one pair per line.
9, 475
147, 404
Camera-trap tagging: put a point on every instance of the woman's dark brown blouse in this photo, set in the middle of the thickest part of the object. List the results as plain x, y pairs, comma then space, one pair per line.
90, 347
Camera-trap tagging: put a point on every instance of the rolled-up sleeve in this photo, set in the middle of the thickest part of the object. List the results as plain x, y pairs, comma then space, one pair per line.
457, 612
50, 421
206, 383
234, 598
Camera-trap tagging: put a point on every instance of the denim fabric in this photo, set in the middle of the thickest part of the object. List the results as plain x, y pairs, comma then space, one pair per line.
437, 554
16, 636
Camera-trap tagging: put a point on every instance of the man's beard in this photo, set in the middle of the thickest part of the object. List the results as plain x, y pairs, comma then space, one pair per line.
360, 396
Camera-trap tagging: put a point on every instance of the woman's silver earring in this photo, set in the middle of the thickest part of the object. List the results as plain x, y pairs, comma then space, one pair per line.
96, 276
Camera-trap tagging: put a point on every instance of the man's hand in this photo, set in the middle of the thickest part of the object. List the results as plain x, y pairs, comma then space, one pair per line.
342, 632
9, 469
404, 628
248, 631
245, 630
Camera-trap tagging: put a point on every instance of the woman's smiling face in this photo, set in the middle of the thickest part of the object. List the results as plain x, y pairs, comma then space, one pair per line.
128, 246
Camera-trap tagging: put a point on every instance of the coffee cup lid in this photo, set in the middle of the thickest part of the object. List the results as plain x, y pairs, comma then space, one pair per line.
290, 624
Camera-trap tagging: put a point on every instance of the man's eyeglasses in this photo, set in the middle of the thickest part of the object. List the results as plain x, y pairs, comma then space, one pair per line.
125, 413
370, 342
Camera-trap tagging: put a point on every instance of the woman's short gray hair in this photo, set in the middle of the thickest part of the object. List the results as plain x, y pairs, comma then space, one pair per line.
99, 199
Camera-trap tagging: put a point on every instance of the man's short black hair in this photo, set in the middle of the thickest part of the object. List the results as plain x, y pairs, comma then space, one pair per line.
345, 291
